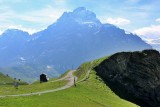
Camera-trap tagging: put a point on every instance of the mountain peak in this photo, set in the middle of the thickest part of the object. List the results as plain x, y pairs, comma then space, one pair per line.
14, 31
79, 9
84, 14
80, 15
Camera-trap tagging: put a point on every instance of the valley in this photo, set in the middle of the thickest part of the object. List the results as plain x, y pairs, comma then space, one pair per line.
81, 59
90, 91
77, 36
109, 81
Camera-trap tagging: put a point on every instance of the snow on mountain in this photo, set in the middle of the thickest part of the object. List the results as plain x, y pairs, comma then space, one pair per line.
74, 38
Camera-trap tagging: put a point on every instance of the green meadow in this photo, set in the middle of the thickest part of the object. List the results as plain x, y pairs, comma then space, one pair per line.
90, 92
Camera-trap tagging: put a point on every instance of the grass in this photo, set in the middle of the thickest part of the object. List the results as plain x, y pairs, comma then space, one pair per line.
8, 90
85, 67
28, 72
6, 80
53, 79
61, 76
82, 70
89, 93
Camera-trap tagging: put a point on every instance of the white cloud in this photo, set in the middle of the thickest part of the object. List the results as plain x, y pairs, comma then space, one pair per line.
158, 20
149, 33
20, 27
43, 17
117, 21
1, 32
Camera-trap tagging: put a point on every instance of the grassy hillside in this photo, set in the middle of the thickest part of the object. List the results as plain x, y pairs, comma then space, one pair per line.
9, 90
85, 67
7, 87
28, 72
91, 92
5, 79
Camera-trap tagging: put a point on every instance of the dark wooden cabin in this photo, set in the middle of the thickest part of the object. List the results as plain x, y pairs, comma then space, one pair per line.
43, 78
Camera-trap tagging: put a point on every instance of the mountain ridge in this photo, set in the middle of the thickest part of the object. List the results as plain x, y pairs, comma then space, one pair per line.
76, 35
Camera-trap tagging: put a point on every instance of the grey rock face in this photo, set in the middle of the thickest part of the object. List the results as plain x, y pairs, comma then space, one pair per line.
134, 76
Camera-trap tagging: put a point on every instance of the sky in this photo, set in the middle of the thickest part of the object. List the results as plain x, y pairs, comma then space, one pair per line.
137, 16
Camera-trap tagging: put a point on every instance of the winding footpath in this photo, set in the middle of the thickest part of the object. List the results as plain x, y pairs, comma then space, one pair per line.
70, 77
87, 74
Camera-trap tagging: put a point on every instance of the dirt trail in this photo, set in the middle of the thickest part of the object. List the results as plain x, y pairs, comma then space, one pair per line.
68, 77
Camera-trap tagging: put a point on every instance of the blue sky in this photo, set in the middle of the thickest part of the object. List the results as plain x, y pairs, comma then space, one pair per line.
138, 16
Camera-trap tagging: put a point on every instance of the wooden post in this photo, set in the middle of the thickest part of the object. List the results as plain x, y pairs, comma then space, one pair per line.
74, 81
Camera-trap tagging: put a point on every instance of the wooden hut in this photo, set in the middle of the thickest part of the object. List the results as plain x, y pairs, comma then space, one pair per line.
43, 78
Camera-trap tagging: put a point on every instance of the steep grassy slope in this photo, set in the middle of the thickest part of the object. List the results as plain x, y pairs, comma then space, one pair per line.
87, 66
91, 92
5, 79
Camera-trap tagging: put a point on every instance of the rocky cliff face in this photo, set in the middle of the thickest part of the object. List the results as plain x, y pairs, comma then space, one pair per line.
134, 76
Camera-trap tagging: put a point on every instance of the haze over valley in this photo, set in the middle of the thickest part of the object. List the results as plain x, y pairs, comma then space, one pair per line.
79, 53
75, 37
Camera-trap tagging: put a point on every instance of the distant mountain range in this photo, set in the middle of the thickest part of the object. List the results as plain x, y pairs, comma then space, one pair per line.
74, 38
155, 43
